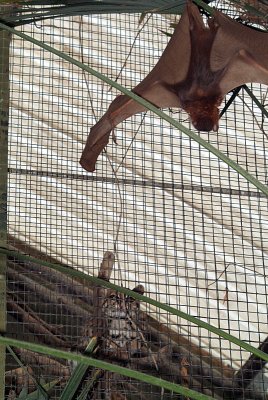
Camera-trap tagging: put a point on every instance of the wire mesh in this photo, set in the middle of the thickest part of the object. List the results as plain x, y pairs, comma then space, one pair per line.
180, 222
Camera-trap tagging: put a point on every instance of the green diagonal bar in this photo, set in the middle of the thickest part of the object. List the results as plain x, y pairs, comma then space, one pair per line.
106, 366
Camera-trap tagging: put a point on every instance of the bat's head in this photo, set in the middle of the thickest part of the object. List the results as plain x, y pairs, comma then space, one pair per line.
204, 113
205, 123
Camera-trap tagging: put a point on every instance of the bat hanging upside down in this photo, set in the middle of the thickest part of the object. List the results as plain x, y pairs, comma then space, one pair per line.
199, 66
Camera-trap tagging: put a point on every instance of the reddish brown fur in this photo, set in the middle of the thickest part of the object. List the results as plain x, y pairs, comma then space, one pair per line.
204, 113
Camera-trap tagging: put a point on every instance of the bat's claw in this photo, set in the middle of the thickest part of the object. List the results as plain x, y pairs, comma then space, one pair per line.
114, 137
216, 127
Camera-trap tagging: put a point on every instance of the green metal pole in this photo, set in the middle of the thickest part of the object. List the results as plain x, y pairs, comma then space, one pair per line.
4, 108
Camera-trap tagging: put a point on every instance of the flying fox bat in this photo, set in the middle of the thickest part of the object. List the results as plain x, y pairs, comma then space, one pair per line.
199, 66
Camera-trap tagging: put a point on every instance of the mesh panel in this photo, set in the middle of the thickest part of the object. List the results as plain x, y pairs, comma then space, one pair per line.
180, 222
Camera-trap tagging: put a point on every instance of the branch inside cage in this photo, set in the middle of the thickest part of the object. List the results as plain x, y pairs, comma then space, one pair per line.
195, 369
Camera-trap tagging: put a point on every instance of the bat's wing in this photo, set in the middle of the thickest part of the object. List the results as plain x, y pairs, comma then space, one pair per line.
171, 68
241, 51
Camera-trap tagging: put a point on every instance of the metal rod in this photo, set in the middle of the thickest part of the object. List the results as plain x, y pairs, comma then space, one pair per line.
4, 111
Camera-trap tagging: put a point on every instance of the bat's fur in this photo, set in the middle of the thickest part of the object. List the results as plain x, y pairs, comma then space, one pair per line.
199, 93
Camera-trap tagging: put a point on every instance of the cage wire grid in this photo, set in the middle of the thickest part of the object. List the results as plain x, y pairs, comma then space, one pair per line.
183, 224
